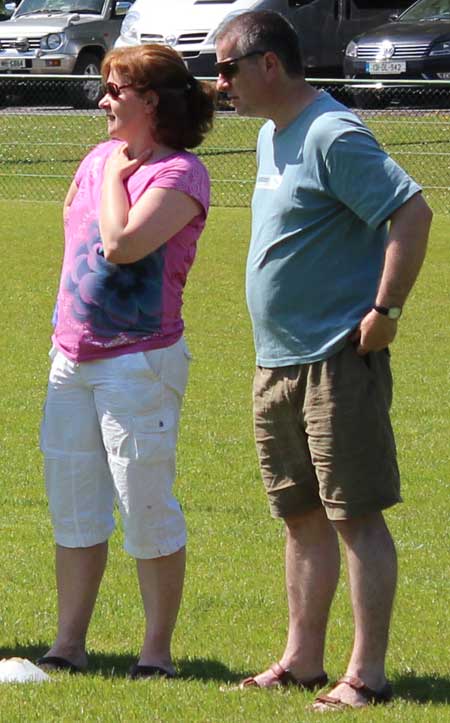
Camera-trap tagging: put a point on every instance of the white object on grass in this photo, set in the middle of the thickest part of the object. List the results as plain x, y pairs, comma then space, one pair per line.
21, 670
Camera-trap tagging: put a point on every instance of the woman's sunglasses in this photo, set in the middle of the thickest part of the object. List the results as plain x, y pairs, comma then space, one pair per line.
228, 69
113, 90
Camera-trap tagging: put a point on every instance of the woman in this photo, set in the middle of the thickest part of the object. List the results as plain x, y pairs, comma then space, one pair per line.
132, 215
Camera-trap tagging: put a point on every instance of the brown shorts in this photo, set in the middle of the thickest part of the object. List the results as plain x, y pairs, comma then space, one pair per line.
324, 436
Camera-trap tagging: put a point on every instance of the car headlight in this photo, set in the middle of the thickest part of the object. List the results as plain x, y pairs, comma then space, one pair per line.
52, 41
442, 48
351, 50
129, 30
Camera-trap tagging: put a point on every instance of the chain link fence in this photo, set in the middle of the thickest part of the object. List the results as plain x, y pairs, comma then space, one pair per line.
44, 136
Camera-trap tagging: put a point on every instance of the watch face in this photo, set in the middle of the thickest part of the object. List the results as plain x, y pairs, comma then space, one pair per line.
394, 312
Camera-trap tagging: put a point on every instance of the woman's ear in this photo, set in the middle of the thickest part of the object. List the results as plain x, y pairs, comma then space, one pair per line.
152, 100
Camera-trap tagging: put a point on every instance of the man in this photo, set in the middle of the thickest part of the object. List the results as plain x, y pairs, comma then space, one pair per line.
339, 234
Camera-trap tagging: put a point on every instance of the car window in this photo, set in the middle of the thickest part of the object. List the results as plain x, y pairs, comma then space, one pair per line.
393, 5
427, 10
28, 7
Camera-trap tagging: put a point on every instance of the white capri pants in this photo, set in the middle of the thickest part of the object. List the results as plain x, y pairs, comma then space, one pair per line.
109, 432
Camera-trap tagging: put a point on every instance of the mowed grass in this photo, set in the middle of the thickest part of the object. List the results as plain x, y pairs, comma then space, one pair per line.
39, 153
233, 618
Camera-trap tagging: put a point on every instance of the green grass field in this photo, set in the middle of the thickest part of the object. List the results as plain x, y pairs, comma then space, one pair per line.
40, 152
233, 618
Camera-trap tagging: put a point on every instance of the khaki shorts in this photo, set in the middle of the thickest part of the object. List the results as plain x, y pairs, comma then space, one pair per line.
324, 436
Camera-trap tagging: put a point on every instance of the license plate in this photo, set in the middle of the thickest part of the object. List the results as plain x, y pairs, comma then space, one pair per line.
386, 67
12, 63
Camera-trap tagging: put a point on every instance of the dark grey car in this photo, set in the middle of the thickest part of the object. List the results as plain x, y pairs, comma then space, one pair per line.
415, 46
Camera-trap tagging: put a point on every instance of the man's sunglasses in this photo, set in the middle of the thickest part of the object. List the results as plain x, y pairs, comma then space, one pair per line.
113, 90
228, 69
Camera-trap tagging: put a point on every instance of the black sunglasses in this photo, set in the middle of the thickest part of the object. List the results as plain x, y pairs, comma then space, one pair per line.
228, 69
113, 90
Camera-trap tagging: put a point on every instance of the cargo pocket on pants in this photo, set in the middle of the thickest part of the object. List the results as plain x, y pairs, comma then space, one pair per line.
155, 435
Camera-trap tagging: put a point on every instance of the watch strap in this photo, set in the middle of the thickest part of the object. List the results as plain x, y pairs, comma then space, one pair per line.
392, 312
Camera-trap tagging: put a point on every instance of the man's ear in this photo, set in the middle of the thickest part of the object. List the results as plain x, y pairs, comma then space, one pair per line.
272, 62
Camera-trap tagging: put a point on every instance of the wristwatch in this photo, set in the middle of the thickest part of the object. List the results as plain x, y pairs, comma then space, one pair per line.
392, 312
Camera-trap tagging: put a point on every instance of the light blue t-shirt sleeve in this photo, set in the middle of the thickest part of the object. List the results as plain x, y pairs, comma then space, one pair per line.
364, 178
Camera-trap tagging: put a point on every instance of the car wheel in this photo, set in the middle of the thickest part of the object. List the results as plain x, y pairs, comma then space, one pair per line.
87, 93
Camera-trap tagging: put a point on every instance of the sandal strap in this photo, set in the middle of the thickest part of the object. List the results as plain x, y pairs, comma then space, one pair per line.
372, 696
285, 677
281, 676
248, 682
331, 702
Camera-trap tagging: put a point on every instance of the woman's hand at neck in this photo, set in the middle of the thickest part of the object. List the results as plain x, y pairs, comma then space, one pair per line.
122, 163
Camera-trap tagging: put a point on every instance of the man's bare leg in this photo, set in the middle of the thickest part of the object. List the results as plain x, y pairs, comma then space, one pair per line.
79, 572
312, 572
372, 567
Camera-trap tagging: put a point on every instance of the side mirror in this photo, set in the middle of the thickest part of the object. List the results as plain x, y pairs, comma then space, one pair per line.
393, 17
122, 7
10, 7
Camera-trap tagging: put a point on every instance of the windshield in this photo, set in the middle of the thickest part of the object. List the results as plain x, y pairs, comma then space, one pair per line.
29, 7
427, 10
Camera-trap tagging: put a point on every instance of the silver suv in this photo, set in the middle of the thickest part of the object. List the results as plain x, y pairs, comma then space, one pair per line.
62, 37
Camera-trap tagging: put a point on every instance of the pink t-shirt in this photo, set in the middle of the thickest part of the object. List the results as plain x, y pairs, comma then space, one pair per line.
107, 309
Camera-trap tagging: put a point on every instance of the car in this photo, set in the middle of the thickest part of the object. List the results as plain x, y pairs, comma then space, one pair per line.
190, 26
416, 45
60, 37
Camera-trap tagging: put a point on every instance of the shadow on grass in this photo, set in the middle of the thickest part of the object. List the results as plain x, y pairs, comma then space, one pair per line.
103, 664
201, 669
432, 688
206, 670
109, 665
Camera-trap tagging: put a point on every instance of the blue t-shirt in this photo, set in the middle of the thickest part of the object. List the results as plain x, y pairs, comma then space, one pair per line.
324, 191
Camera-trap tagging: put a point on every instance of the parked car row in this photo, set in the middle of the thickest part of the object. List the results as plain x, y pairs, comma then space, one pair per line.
64, 37
190, 26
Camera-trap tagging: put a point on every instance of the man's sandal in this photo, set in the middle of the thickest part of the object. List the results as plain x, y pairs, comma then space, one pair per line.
283, 678
372, 697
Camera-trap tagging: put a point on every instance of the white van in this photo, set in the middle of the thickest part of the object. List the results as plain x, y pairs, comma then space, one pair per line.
324, 27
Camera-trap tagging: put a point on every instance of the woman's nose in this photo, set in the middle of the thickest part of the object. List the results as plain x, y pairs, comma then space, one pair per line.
103, 102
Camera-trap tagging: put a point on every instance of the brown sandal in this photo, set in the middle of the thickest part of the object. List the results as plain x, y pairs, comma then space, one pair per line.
283, 678
372, 697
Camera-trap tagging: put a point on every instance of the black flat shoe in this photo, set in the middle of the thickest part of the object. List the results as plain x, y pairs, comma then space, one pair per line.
54, 663
149, 671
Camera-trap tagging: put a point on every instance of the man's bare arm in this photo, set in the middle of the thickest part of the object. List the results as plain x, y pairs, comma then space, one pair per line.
405, 252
